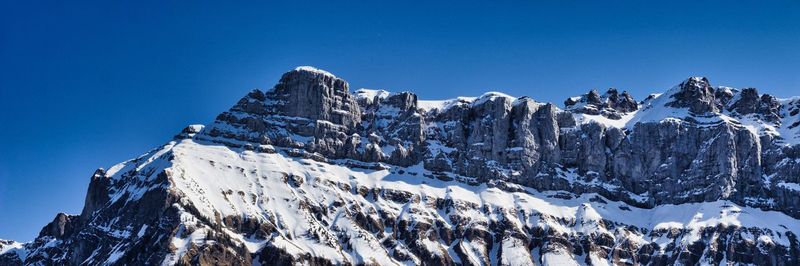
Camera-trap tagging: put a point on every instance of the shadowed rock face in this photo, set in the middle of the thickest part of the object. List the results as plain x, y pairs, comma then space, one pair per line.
695, 144
750, 102
697, 95
501, 137
314, 95
612, 104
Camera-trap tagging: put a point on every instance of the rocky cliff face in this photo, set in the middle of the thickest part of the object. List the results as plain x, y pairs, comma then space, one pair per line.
310, 173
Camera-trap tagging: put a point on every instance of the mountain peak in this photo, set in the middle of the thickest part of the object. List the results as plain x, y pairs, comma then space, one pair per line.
611, 104
314, 70
697, 80
311, 78
309, 173
696, 94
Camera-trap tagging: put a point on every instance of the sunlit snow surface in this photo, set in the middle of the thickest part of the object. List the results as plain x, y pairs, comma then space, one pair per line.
14, 248
655, 111
314, 70
219, 180
371, 95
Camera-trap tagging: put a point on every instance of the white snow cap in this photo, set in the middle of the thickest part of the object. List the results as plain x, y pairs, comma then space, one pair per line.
314, 69
371, 94
491, 96
697, 79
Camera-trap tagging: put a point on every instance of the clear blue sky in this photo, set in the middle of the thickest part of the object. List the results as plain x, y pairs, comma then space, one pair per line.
89, 85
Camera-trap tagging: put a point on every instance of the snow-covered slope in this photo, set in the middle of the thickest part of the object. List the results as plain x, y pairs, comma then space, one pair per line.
780, 122
379, 178
402, 215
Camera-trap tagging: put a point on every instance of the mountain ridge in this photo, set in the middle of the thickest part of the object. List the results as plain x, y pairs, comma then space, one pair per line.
374, 177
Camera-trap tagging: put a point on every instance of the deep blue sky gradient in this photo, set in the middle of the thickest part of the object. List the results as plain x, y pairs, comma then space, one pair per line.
88, 85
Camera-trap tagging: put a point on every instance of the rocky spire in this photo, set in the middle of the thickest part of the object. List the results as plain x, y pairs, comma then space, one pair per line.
611, 104
622, 102
750, 102
696, 94
315, 94
96, 195
238, 192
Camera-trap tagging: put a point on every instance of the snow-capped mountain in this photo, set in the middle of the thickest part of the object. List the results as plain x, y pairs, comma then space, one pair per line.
309, 172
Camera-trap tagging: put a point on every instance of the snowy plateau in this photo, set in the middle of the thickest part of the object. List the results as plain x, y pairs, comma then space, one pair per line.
312, 173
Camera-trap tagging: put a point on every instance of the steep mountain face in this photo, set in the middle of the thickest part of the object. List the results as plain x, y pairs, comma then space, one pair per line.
310, 173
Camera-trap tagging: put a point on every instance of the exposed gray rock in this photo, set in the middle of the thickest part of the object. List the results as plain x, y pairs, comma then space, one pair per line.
696, 94
501, 137
612, 104
750, 102
313, 95
509, 144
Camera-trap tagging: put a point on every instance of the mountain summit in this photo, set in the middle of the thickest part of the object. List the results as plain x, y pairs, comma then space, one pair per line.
310, 173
